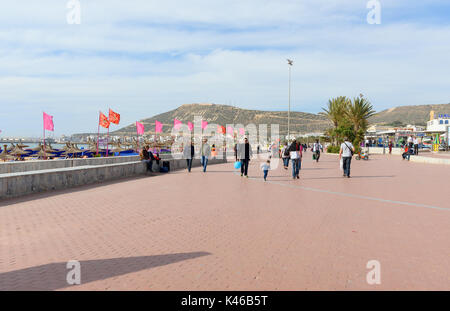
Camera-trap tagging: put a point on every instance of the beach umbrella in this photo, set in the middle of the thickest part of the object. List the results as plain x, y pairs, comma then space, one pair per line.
4, 155
38, 148
20, 145
18, 151
42, 154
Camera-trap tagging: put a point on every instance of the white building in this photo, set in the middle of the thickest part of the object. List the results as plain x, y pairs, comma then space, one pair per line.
438, 125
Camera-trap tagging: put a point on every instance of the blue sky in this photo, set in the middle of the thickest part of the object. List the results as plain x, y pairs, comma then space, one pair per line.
144, 57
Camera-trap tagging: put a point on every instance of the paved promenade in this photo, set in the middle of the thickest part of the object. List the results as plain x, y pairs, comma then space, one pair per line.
219, 231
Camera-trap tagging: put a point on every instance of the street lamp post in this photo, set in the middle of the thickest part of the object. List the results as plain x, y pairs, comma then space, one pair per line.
290, 63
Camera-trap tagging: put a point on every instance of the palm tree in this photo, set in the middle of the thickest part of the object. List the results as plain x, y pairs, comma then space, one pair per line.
358, 113
336, 111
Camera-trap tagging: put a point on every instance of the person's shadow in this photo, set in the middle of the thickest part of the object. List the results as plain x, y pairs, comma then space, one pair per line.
54, 275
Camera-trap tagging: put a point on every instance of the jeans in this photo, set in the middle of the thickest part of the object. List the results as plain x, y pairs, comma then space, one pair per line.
317, 155
346, 165
244, 166
204, 162
189, 164
149, 164
295, 167
286, 162
265, 174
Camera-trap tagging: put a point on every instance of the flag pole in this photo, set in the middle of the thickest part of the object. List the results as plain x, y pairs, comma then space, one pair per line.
98, 131
107, 142
43, 127
137, 135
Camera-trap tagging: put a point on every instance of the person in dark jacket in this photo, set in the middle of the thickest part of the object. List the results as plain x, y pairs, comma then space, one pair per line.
147, 157
189, 153
244, 153
295, 152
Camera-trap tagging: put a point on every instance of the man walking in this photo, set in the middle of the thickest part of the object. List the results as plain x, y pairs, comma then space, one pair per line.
416, 145
295, 153
188, 154
206, 153
245, 153
346, 154
316, 149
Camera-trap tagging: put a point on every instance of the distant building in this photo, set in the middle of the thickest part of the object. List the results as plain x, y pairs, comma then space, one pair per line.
438, 125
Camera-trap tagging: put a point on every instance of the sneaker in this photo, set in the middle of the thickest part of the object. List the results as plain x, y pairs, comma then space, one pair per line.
246, 176
298, 177
348, 176
242, 174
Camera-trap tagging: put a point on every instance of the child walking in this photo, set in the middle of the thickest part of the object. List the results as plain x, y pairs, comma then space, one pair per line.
265, 167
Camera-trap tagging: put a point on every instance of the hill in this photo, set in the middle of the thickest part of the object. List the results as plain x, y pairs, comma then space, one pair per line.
301, 122
417, 115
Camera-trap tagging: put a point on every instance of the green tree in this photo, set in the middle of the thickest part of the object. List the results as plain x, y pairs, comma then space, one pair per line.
336, 113
358, 113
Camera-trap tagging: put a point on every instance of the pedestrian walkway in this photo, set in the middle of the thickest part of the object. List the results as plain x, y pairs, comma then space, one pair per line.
220, 231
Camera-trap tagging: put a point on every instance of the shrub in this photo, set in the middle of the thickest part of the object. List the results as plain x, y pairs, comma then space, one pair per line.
333, 149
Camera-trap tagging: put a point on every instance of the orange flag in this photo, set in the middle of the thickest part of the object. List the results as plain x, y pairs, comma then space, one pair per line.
114, 117
104, 122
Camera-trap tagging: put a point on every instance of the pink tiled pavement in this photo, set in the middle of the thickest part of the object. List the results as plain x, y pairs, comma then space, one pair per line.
218, 231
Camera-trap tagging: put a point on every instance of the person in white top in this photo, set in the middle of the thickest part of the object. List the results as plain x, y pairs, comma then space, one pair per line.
416, 146
316, 149
346, 154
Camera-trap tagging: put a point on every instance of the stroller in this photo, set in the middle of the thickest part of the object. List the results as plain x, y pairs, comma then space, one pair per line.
363, 155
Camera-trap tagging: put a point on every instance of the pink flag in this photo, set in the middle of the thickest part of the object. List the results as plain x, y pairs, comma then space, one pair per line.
241, 131
229, 130
158, 127
176, 124
190, 126
139, 128
204, 124
48, 122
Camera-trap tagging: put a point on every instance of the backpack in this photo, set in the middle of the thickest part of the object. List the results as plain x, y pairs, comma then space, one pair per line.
286, 152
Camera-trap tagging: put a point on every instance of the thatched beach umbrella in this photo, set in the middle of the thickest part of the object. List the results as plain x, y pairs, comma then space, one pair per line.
18, 151
4, 155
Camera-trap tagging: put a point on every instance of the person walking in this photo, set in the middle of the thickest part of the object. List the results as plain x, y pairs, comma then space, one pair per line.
285, 156
346, 154
390, 147
416, 146
188, 154
244, 151
265, 168
295, 154
316, 149
206, 153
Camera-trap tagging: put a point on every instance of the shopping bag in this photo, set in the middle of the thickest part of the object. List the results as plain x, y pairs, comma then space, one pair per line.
341, 164
294, 155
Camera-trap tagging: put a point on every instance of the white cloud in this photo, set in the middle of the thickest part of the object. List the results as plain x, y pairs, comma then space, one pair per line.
146, 57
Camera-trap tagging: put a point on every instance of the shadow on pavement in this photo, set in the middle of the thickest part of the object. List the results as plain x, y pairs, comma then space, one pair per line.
53, 276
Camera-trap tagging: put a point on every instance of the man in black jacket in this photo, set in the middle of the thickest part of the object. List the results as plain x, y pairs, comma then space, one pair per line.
244, 153
189, 154
296, 162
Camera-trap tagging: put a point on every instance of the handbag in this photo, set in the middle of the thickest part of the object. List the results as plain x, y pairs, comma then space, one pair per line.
351, 151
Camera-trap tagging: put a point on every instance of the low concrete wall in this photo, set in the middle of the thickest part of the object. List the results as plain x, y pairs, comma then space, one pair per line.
22, 183
37, 165
429, 160
397, 151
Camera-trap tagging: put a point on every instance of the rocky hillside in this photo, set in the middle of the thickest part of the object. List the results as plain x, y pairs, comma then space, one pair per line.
417, 115
301, 122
